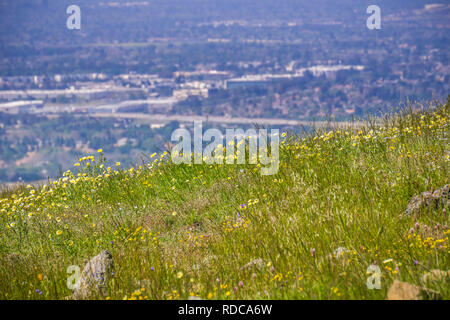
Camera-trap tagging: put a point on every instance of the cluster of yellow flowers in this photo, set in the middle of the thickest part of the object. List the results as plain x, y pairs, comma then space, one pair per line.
139, 234
312, 148
288, 276
173, 295
429, 243
59, 193
138, 294
230, 226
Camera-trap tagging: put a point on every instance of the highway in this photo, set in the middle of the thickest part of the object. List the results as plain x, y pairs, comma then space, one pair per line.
158, 118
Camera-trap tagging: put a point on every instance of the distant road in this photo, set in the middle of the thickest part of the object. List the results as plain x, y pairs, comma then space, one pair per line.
158, 118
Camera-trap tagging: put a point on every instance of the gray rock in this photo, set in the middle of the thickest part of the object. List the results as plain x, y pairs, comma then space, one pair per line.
94, 277
428, 200
436, 276
404, 291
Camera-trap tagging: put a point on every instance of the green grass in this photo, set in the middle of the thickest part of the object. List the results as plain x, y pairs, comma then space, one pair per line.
179, 230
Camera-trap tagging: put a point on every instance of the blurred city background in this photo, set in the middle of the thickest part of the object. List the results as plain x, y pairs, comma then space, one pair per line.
137, 70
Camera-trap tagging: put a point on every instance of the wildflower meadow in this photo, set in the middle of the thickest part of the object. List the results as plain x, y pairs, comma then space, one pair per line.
218, 231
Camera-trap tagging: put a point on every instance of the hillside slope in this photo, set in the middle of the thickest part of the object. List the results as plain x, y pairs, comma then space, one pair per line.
311, 231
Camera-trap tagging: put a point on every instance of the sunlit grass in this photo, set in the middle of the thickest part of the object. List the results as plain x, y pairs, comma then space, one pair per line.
177, 231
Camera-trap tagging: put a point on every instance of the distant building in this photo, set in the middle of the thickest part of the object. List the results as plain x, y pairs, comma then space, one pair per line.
158, 104
84, 93
264, 80
21, 106
183, 94
245, 83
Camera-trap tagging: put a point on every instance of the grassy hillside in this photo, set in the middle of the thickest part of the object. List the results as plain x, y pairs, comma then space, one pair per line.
225, 232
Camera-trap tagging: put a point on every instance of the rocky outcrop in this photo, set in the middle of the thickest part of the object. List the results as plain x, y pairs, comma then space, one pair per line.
436, 276
404, 291
428, 201
94, 277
